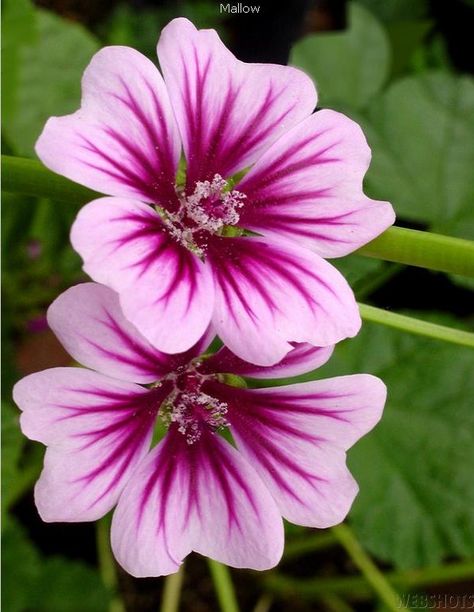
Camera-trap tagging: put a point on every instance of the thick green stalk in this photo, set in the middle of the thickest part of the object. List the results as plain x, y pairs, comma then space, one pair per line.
372, 574
223, 585
107, 563
306, 544
423, 249
29, 177
410, 247
358, 588
172, 591
416, 326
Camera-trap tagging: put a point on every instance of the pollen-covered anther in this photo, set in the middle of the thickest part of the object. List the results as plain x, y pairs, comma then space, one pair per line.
192, 411
210, 207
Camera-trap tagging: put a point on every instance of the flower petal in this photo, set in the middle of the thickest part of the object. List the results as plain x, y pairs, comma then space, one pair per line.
228, 111
97, 430
88, 321
271, 293
296, 436
165, 290
308, 187
123, 141
203, 497
301, 359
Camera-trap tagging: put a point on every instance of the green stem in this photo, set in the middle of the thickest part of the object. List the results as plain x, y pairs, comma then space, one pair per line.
107, 566
335, 603
373, 575
223, 585
264, 603
357, 587
308, 544
29, 177
172, 591
416, 326
423, 249
400, 245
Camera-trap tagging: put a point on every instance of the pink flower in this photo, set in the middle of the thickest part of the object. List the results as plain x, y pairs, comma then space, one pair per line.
175, 251
193, 490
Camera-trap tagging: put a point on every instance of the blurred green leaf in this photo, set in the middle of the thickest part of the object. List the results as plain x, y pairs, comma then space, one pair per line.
357, 270
349, 67
432, 55
51, 584
20, 570
49, 77
422, 136
396, 10
405, 38
12, 446
77, 587
415, 469
141, 29
18, 29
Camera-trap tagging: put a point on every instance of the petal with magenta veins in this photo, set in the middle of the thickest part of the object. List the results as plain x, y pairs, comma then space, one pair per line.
228, 111
203, 497
97, 430
89, 322
296, 436
271, 293
301, 359
308, 187
124, 140
165, 291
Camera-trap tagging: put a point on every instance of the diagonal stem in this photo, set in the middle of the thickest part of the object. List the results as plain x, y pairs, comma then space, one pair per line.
223, 585
356, 587
172, 591
416, 326
107, 564
423, 249
373, 575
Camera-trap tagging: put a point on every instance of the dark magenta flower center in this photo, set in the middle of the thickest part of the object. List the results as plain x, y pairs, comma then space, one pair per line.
208, 210
190, 408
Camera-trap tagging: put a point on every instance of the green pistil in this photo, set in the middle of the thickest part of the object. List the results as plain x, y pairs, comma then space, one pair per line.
232, 380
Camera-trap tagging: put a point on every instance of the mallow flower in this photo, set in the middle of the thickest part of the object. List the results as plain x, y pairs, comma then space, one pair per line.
232, 461
270, 189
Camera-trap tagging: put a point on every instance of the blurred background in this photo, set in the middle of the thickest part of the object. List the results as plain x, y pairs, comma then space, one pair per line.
399, 67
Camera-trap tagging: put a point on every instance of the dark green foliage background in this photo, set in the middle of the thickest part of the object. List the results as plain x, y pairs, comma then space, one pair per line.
390, 70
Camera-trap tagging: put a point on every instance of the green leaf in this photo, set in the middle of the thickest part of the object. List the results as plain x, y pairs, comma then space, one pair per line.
358, 270
12, 446
415, 469
49, 77
349, 67
51, 584
405, 38
20, 570
18, 29
77, 587
422, 136
396, 10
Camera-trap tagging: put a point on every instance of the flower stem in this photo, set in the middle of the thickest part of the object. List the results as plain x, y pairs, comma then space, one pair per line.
423, 249
172, 591
29, 177
107, 564
397, 244
373, 575
416, 326
223, 585
307, 544
357, 587
335, 603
